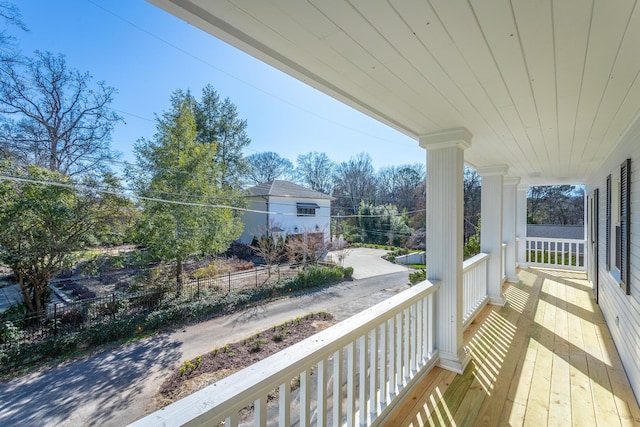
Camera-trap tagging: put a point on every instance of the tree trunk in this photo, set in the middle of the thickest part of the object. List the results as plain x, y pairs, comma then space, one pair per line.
28, 303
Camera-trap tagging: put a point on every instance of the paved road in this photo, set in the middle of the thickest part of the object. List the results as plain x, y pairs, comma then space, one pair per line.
116, 387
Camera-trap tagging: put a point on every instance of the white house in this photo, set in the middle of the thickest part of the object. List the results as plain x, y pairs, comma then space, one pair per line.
284, 208
525, 92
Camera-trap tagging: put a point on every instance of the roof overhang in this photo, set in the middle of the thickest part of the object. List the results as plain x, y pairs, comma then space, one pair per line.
546, 88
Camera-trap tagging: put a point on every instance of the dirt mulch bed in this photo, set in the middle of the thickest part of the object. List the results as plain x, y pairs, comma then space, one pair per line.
204, 370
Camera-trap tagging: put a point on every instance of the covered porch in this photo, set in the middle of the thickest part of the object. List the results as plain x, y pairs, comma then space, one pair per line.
526, 93
545, 358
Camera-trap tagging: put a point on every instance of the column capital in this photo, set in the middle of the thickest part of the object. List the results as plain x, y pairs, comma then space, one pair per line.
511, 180
456, 137
493, 170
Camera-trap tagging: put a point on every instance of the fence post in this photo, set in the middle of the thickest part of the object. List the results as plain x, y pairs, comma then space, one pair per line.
256, 270
229, 281
198, 294
115, 308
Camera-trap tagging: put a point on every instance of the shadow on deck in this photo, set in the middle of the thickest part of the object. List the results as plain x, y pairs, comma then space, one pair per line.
545, 358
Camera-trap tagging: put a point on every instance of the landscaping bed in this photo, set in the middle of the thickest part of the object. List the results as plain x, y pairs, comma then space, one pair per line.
221, 362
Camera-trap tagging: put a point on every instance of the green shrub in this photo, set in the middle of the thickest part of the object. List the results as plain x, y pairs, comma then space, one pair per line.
348, 273
417, 276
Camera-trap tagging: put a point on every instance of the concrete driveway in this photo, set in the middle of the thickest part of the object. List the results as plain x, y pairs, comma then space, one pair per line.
368, 262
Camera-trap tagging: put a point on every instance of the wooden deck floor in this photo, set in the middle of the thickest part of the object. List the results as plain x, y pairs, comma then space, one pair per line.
545, 358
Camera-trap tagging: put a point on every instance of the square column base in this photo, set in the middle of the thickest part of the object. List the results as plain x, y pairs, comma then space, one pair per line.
455, 362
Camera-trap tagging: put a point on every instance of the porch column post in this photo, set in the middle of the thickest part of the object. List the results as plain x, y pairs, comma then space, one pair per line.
445, 179
491, 208
509, 231
521, 222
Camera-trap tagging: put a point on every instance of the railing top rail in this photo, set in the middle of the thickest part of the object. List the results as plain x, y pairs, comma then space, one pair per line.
473, 261
555, 239
233, 392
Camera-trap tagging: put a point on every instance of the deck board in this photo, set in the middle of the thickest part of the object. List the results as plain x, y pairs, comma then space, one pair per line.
545, 358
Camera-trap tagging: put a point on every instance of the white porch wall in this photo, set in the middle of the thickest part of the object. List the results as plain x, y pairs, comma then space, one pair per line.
491, 208
621, 311
445, 172
509, 225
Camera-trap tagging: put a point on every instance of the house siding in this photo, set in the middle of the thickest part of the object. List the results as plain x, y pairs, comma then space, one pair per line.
621, 311
254, 222
283, 214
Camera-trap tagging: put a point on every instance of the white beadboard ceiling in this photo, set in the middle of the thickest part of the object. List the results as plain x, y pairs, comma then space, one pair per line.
545, 87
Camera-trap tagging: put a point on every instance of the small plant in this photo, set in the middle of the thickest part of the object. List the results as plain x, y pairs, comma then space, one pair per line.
215, 351
244, 341
257, 344
277, 337
348, 273
190, 366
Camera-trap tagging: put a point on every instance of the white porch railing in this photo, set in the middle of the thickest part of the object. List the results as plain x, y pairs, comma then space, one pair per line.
504, 262
474, 287
556, 253
348, 374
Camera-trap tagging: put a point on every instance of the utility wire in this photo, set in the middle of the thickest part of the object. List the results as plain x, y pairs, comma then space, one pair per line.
175, 202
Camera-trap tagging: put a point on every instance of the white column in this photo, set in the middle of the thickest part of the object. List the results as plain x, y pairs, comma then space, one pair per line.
491, 209
509, 231
521, 222
445, 176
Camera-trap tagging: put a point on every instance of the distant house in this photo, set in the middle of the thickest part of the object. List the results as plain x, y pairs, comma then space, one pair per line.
285, 208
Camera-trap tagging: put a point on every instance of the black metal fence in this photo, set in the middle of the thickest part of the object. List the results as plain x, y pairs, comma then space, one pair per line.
73, 316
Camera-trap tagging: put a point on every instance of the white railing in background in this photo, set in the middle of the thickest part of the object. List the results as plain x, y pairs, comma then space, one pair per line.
474, 287
556, 253
347, 374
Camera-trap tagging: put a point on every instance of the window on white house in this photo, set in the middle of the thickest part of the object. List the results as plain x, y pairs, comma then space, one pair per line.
618, 218
307, 209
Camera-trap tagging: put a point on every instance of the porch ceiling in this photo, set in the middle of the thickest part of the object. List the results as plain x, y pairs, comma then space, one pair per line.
545, 87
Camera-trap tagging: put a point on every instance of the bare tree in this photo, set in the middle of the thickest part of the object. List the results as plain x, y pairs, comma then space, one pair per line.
10, 14
269, 244
268, 166
397, 185
355, 182
306, 247
316, 171
556, 204
472, 196
54, 117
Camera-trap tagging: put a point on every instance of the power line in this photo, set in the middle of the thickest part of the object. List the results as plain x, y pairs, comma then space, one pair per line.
226, 73
175, 202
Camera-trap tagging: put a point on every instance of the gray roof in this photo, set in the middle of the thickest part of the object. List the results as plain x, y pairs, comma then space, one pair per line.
287, 189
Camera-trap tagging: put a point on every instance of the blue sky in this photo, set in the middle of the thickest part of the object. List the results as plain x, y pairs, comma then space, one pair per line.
146, 54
